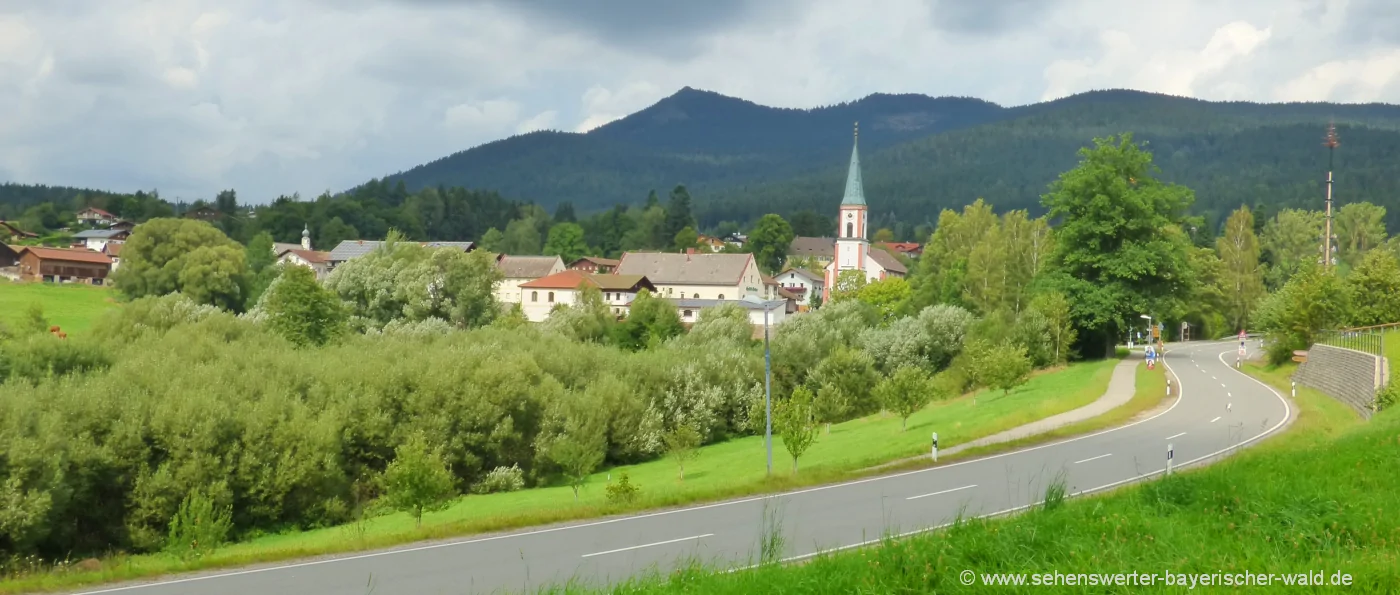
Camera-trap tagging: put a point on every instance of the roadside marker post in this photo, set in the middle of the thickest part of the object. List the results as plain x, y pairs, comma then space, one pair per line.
1169, 387
1169, 458
1294, 386
935, 447
1228, 407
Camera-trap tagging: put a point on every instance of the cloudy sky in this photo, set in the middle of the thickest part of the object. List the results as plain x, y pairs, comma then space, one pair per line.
280, 96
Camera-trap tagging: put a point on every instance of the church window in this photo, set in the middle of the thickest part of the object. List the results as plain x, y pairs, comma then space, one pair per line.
534, 296
850, 229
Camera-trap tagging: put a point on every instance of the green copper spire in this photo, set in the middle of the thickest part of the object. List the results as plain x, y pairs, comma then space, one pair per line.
855, 191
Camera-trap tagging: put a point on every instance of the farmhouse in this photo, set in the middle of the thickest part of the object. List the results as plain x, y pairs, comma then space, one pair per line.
97, 239
63, 265
351, 249
313, 259
95, 217
698, 276
909, 249
517, 270
539, 297
10, 233
802, 284
593, 264
113, 251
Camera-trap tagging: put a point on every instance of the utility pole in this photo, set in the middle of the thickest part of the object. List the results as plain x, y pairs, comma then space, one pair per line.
1327, 247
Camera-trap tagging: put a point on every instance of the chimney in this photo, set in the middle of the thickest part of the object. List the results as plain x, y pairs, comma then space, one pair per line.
688, 253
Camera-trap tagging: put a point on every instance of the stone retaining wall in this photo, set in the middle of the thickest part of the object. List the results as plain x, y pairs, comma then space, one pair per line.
1347, 375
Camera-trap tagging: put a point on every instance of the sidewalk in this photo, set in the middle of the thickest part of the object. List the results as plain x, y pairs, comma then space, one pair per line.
1121, 387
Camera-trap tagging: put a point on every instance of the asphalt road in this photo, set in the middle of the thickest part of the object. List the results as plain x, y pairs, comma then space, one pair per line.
1217, 410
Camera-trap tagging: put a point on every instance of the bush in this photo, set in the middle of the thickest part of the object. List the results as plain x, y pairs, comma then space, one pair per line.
40, 356
1387, 397
500, 479
622, 492
199, 527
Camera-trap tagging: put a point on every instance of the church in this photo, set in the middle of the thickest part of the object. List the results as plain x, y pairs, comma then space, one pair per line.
852, 246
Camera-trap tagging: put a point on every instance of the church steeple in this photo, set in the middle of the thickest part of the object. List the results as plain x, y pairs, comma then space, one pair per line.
855, 190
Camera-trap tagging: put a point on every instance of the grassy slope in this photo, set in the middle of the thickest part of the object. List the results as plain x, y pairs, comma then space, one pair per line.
74, 308
1321, 499
723, 470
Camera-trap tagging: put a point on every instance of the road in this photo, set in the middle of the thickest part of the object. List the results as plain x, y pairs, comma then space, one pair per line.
1217, 410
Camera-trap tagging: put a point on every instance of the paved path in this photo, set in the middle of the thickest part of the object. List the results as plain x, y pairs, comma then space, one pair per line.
1217, 410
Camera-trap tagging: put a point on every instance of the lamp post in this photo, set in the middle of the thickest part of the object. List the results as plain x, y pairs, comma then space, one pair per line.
767, 380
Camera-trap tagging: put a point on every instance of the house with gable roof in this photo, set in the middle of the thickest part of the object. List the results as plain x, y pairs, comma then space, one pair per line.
517, 270
539, 297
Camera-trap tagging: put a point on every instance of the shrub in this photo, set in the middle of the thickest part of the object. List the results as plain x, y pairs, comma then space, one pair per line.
622, 492
500, 479
199, 527
1387, 397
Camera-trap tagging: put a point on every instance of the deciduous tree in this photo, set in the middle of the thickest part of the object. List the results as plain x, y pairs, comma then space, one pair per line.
299, 309
905, 392
769, 242
1243, 279
796, 424
417, 480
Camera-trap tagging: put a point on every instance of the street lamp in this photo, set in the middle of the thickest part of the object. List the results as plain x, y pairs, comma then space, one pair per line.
767, 377
1149, 329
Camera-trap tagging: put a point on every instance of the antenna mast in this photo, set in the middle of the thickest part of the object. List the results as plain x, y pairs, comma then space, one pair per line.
1327, 248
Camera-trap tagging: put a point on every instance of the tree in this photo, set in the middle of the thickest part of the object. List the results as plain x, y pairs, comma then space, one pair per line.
564, 213
831, 404
418, 479
521, 237
566, 242
1115, 254
1314, 299
492, 240
685, 239
849, 284
404, 281
650, 321
1292, 240
1374, 289
1243, 279
1002, 367
1360, 226
587, 320
769, 242
681, 444
888, 295
185, 255
260, 258
335, 231
808, 223
580, 448
678, 213
1055, 308
882, 235
796, 424
300, 309
905, 392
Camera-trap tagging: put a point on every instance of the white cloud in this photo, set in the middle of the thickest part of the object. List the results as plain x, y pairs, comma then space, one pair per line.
269, 97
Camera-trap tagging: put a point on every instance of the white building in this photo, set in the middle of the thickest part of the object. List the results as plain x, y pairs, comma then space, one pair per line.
539, 297
802, 283
852, 250
698, 275
517, 270
97, 239
692, 310
303, 255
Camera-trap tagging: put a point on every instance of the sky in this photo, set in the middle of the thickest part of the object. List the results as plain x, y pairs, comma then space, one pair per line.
272, 97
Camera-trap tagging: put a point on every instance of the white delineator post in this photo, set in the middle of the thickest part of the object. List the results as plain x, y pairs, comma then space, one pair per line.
1169, 458
1294, 385
935, 447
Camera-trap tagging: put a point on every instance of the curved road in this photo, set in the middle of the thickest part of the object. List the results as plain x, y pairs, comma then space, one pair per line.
1218, 410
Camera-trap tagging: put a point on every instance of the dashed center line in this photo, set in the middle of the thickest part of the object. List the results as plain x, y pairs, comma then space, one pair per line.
637, 547
1215, 420
942, 492
1176, 435
1093, 458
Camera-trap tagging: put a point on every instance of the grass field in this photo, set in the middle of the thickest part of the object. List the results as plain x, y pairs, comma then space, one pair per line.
729, 469
74, 308
1318, 499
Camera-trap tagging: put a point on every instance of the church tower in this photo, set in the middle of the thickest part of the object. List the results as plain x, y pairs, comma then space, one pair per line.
851, 243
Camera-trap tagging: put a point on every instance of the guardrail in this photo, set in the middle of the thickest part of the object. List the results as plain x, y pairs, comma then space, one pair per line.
1366, 339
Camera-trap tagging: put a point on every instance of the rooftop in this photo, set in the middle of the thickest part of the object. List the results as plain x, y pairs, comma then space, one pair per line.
693, 269
349, 249
527, 267
68, 254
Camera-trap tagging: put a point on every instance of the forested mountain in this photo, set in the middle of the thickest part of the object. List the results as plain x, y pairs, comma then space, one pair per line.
924, 154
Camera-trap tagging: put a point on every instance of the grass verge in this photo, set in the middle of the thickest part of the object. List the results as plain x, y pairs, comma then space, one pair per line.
72, 307
726, 470
1321, 502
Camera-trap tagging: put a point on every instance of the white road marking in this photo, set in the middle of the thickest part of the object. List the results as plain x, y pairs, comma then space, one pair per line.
1093, 458
942, 492
637, 547
1176, 436
1215, 420
1214, 378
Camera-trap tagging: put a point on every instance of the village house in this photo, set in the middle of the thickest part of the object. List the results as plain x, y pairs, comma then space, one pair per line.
517, 270
593, 264
63, 265
123, 225
698, 276
97, 239
712, 243
302, 255
908, 249
692, 310
802, 284
538, 298
819, 249
351, 249
113, 250
203, 213
95, 217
